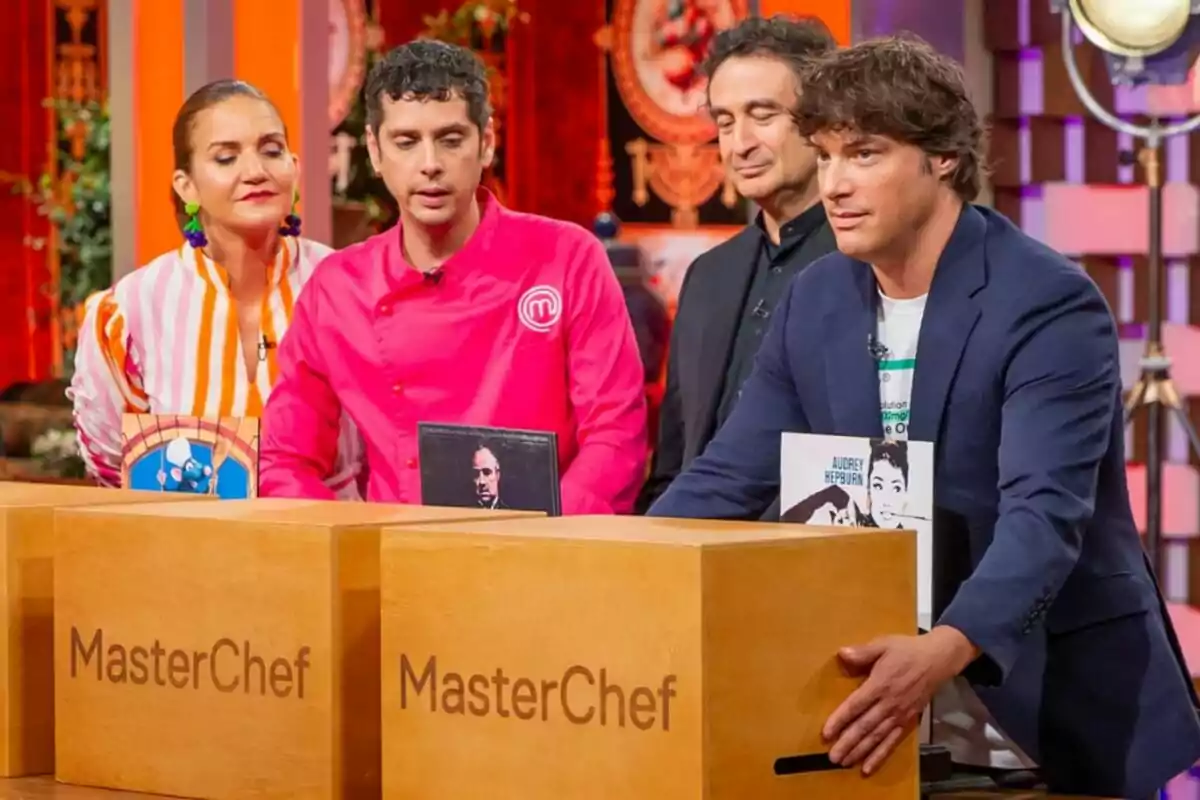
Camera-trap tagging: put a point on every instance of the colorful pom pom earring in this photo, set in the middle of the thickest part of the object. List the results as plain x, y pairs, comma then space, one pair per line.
291, 223
193, 230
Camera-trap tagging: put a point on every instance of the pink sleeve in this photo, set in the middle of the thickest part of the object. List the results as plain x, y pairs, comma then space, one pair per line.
605, 377
302, 418
104, 386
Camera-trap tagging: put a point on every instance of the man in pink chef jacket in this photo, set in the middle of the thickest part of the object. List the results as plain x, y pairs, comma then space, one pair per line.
465, 312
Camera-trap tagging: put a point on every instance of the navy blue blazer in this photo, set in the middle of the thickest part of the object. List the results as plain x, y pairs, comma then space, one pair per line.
1038, 560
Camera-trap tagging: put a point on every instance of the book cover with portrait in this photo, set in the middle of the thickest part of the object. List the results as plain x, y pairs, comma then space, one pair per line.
178, 453
863, 482
466, 466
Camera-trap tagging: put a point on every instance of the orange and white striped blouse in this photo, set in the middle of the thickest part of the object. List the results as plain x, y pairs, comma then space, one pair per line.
165, 340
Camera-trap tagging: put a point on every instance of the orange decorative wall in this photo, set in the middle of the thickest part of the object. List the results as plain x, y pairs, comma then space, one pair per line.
158, 93
834, 13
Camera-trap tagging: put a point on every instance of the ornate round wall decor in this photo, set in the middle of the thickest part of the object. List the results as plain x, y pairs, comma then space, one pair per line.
347, 56
657, 49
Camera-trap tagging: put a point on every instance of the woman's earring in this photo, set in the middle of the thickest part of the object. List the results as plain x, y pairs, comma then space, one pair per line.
291, 223
193, 230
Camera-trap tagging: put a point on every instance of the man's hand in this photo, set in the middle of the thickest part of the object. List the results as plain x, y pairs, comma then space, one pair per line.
904, 673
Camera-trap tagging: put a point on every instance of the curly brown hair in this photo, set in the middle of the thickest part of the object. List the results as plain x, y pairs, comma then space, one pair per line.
790, 39
901, 88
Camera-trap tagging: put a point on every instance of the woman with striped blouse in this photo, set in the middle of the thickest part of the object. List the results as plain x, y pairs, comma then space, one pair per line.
194, 332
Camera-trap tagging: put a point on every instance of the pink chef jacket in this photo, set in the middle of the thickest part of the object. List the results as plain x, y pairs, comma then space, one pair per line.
526, 327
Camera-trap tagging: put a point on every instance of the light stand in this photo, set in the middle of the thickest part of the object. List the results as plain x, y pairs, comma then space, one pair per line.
1154, 390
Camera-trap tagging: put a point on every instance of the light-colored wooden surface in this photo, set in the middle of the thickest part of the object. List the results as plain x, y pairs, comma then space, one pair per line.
39, 788
32, 494
46, 788
657, 531
27, 623
225, 651
715, 642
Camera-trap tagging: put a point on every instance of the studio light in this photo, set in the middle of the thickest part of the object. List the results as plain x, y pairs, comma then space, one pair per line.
1131, 27
1144, 41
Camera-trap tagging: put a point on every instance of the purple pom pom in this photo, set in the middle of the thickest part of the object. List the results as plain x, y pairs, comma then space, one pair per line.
291, 225
196, 238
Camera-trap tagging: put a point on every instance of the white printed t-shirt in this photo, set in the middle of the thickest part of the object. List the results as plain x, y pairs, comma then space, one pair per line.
960, 721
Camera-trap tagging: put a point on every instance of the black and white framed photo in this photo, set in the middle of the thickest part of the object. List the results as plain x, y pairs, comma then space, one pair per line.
467, 466
863, 482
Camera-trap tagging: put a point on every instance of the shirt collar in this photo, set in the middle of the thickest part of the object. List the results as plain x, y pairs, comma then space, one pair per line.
490, 211
797, 228
284, 264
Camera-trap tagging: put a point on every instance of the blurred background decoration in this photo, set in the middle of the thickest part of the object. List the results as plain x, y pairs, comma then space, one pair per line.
484, 27
361, 204
477, 24
76, 199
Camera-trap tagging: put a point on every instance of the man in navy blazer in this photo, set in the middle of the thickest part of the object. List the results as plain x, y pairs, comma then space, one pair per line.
940, 321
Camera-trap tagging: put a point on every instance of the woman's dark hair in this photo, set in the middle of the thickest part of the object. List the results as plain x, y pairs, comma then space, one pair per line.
894, 453
204, 98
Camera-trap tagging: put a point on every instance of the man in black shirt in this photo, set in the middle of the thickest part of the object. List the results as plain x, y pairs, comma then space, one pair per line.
730, 292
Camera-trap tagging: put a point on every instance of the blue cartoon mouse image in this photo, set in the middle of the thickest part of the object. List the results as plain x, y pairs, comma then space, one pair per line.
187, 474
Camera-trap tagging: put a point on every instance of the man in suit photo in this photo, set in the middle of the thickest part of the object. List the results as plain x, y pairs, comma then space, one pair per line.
730, 293
941, 321
486, 468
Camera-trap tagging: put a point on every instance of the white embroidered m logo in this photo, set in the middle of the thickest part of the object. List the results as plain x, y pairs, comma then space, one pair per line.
540, 308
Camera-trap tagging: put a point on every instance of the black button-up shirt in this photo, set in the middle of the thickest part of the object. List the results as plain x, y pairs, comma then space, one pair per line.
776, 265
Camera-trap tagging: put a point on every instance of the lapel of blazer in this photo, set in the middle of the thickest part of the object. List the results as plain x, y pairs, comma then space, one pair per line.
851, 376
727, 295
951, 313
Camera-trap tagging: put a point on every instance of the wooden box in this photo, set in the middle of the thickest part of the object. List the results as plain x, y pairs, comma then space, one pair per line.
27, 593
229, 650
632, 658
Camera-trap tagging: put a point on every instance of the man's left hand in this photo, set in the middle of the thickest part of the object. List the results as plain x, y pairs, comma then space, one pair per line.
904, 673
